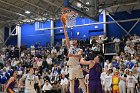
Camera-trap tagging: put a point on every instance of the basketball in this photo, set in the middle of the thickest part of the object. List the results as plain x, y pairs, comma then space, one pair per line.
64, 19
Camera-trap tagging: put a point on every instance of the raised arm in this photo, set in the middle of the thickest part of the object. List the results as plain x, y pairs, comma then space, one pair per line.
66, 36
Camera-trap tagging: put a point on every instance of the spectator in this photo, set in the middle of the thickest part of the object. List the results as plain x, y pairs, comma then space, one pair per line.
130, 82
122, 83
47, 87
138, 88
107, 83
115, 64
64, 84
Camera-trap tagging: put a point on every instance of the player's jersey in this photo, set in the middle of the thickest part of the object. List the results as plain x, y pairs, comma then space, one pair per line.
29, 81
73, 61
12, 84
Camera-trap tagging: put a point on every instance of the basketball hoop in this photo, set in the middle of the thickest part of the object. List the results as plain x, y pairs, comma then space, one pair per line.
68, 17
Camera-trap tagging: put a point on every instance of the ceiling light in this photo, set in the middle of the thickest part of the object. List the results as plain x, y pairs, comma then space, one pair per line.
20, 14
87, 3
27, 12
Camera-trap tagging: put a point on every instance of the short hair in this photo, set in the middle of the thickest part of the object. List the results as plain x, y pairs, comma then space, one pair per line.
100, 58
122, 70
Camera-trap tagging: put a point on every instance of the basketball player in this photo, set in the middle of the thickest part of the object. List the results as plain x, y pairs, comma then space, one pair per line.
75, 71
11, 83
30, 79
95, 71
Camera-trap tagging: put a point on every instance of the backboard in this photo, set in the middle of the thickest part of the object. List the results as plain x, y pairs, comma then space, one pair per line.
86, 8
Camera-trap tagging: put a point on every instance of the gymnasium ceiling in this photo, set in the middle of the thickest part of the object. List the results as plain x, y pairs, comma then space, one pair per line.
13, 11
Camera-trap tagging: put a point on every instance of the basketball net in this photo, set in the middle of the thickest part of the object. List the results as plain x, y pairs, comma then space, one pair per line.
68, 17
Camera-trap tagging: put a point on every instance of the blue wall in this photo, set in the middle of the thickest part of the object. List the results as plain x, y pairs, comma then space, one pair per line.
116, 31
30, 36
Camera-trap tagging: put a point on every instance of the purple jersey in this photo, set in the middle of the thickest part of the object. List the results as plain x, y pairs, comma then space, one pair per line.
94, 79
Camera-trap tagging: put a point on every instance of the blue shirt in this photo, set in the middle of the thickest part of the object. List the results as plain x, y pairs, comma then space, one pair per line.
131, 64
115, 64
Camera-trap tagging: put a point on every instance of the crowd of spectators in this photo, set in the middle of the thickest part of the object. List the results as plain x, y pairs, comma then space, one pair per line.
122, 73
50, 64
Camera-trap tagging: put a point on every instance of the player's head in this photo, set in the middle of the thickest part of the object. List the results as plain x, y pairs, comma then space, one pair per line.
14, 73
74, 42
98, 59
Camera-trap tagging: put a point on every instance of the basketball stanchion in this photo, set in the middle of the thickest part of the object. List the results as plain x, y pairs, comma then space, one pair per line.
68, 17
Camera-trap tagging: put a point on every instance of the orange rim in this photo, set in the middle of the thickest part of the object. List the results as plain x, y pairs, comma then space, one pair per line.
65, 9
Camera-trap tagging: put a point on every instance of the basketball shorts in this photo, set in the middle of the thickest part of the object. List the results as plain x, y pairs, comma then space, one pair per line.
75, 72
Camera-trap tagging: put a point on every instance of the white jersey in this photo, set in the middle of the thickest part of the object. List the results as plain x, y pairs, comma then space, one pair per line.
107, 81
29, 81
73, 61
131, 81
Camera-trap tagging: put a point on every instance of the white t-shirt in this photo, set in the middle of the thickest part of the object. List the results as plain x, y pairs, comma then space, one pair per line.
47, 87
116, 40
107, 81
49, 61
126, 48
103, 74
64, 72
29, 81
39, 63
64, 81
131, 81
134, 61
20, 72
